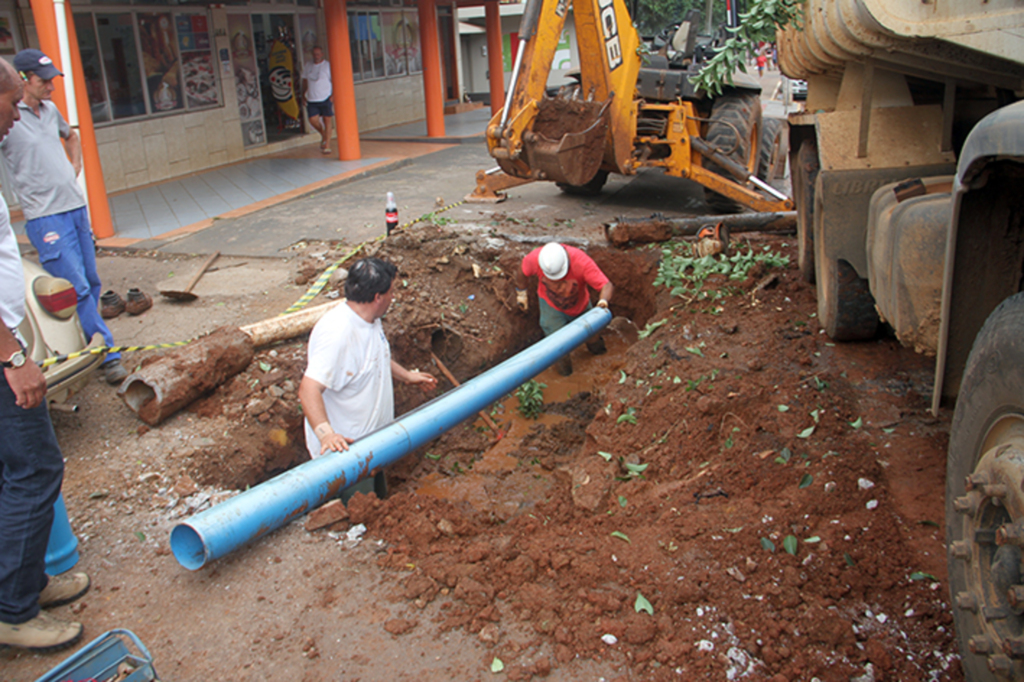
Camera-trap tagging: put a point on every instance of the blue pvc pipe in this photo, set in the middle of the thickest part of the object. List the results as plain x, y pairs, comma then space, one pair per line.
268, 506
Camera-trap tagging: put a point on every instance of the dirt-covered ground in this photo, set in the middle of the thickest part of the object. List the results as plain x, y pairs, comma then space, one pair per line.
725, 494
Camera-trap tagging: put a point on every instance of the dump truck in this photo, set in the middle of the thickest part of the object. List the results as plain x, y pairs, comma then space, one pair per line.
630, 110
907, 166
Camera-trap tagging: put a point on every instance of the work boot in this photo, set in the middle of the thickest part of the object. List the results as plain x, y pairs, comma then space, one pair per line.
114, 372
43, 633
596, 346
111, 305
564, 366
64, 589
138, 302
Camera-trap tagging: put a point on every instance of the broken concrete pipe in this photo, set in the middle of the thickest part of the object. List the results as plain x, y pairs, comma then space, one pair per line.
263, 508
176, 379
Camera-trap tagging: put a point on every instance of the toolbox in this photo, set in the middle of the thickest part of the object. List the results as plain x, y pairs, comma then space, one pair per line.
108, 658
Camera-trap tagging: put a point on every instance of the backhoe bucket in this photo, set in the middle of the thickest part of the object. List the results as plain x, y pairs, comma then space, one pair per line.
568, 140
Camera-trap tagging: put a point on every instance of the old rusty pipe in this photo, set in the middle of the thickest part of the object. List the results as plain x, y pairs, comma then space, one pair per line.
455, 382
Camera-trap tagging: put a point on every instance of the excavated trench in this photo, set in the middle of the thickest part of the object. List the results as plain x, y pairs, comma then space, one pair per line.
445, 310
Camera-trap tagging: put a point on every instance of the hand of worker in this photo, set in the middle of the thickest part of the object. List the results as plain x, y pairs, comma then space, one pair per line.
28, 384
426, 381
329, 440
522, 300
602, 304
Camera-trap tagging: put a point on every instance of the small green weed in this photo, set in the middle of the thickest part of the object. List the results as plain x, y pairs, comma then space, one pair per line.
531, 398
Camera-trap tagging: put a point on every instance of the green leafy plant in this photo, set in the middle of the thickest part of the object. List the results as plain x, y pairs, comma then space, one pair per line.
789, 543
531, 398
684, 275
758, 23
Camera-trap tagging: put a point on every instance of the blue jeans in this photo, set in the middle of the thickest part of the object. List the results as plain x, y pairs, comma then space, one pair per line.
552, 319
66, 249
31, 472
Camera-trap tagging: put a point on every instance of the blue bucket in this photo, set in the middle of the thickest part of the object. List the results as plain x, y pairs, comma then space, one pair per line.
62, 551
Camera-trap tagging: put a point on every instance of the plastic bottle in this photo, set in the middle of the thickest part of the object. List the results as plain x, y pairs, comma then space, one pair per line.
391, 213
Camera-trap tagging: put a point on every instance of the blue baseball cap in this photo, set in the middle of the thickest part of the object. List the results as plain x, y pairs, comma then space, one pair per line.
34, 61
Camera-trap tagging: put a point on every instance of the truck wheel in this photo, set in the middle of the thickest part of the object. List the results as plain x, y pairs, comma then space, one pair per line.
984, 501
846, 309
591, 189
771, 147
737, 112
805, 173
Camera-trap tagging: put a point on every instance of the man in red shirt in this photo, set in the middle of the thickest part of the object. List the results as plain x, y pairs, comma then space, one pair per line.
563, 273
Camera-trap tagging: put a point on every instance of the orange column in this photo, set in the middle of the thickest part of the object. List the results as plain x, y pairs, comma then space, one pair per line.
495, 63
99, 205
340, 53
433, 95
46, 27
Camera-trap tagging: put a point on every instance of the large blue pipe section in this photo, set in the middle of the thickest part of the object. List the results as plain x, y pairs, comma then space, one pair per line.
268, 506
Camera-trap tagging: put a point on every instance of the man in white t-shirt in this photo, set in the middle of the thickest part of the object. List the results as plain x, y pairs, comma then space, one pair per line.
316, 93
346, 391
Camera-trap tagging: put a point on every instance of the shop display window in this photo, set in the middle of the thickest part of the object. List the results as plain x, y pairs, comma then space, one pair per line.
140, 64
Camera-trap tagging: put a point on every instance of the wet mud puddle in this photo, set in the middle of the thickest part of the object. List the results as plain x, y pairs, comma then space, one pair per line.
517, 471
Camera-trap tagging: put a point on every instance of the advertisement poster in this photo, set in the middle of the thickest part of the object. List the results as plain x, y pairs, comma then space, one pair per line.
197, 68
160, 61
247, 82
396, 37
308, 37
7, 44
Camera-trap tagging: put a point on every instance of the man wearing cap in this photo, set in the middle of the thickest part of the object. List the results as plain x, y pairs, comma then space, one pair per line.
31, 464
43, 157
563, 275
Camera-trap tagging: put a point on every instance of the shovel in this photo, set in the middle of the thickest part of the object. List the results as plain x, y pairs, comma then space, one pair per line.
186, 294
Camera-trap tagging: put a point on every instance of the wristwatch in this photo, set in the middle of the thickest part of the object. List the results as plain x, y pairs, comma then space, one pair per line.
15, 361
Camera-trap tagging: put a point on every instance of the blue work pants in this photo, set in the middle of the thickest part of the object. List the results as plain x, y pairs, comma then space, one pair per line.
66, 249
31, 472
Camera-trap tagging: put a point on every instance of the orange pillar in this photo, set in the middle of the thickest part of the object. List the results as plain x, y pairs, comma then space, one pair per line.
495, 63
99, 205
340, 53
46, 27
433, 95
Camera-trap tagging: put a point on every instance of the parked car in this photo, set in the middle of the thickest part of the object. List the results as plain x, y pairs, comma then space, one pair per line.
798, 90
51, 328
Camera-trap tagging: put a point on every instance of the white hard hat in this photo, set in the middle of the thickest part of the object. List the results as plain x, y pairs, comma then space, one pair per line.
554, 261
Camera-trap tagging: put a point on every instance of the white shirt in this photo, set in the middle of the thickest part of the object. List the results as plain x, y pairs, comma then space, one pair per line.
352, 358
12, 276
318, 79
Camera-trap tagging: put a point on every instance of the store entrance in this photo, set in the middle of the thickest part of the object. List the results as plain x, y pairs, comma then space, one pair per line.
278, 66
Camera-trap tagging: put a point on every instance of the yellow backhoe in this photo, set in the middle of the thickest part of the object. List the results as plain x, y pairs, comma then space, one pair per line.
628, 111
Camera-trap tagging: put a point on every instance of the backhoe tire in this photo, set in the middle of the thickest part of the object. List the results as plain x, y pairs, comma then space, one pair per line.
989, 419
591, 189
771, 147
736, 112
805, 174
846, 309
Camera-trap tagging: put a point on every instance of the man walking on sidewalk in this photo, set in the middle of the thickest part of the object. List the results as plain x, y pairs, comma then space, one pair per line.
31, 464
316, 93
36, 154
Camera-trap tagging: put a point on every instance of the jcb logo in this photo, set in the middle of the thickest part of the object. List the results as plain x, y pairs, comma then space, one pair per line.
610, 29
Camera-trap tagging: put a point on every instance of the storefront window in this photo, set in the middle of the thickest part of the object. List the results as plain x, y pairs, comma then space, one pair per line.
92, 68
384, 44
121, 64
152, 63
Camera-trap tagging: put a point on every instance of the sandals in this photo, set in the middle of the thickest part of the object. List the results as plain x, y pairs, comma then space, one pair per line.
325, 147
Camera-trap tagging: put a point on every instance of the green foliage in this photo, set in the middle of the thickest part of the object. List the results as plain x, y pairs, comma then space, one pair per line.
649, 329
684, 275
652, 16
531, 398
628, 417
758, 23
